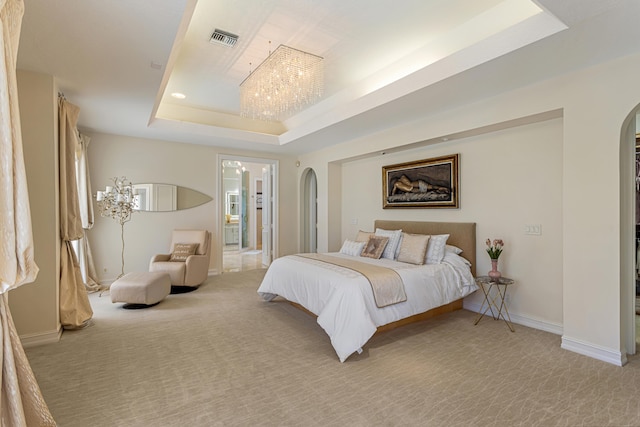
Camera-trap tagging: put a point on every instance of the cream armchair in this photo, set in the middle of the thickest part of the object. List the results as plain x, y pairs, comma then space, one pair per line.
188, 262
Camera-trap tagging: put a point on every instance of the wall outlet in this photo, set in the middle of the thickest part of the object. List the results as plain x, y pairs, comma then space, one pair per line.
354, 221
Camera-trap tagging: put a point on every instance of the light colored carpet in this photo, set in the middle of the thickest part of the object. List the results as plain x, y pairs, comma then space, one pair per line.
220, 356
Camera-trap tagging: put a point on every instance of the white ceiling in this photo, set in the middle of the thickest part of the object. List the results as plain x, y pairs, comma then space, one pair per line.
386, 62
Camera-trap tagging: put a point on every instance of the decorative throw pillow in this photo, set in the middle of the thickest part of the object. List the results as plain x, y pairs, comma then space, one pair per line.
374, 247
363, 236
349, 247
413, 248
453, 249
394, 242
183, 250
435, 248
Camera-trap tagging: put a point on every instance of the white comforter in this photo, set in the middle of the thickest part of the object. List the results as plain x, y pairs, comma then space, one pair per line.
343, 300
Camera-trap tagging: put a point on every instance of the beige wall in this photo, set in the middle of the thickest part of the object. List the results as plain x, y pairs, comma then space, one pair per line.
188, 165
574, 167
38, 111
504, 185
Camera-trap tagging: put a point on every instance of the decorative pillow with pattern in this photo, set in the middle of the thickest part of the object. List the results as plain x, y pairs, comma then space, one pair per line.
181, 251
436, 248
374, 247
394, 242
413, 248
349, 247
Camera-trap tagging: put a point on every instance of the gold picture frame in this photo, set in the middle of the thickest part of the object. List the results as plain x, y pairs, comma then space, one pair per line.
428, 183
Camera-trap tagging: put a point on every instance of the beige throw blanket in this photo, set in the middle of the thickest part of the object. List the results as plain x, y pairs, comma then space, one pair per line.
386, 283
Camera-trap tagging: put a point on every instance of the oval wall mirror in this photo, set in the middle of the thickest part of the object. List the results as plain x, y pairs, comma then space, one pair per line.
167, 197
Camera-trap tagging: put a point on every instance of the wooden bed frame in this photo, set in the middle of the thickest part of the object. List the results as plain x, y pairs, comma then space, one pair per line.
448, 308
461, 234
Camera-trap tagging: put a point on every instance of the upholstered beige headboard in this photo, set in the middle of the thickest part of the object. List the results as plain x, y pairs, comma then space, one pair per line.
461, 234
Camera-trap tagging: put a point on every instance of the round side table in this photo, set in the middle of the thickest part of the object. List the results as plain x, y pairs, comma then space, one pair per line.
495, 293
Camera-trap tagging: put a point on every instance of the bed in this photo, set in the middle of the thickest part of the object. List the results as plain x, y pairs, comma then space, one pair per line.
343, 299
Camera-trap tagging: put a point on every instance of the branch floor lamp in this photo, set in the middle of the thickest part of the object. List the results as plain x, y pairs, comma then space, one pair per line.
118, 201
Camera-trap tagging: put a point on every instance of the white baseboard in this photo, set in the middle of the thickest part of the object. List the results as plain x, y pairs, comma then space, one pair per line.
213, 272
586, 349
608, 355
516, 318
33, 340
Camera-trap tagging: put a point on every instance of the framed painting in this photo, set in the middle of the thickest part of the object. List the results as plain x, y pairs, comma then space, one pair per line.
429, 183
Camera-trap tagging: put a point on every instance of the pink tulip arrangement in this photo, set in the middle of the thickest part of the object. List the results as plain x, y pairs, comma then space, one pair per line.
494, 249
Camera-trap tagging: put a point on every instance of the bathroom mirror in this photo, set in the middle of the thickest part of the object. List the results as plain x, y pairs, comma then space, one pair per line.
167, 197
232, 207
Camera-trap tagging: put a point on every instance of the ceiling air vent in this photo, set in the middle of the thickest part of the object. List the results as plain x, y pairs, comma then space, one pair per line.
224, 38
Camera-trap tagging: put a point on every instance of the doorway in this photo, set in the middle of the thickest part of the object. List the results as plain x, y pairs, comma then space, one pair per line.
630, 232
636, 270
242, 193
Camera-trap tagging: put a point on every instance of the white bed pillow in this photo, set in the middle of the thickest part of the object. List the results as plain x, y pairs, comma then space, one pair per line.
390, 251
436, 248
349, 247
413, 248
453, 249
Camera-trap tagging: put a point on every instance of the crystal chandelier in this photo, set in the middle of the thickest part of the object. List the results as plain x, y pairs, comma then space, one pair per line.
286, 82
118, 201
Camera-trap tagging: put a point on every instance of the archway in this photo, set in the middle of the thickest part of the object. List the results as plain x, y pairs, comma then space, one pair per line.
629, 226
309, 211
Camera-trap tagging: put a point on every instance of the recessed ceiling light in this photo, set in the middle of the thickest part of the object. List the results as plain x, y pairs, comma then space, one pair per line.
178, 95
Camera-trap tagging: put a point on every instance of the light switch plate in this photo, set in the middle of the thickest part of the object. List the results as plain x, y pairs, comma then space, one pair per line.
533, 229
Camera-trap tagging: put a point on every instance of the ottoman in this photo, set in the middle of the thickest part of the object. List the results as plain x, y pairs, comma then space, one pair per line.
140, 290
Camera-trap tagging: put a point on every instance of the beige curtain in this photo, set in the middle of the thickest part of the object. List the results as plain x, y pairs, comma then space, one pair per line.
85, 201
82, 249
75, 309
21, 402
17, 264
